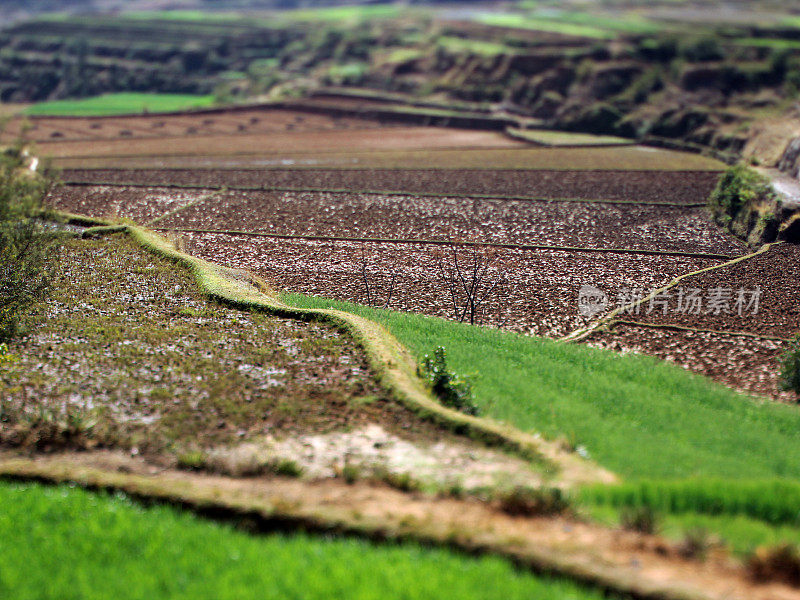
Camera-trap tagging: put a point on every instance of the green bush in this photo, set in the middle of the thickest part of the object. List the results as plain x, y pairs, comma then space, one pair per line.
452, 390
639, 518
738, 186
701, 49
532, 502
790, 368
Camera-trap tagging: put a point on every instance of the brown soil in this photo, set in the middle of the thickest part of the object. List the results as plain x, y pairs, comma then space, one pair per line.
776, 273
459, 219
401, 138
744, 363
538, 294
624, 561
653, 186
141, 205
627, 158
231, 123
128, 341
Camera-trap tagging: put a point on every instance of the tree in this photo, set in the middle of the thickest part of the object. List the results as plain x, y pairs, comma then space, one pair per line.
472, 277
25, 245
790, 368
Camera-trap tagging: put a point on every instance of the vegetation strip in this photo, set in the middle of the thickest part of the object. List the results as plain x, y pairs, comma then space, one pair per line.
394, 366
611, 324
582, 333
326, 238
265, 188
774, 501
209, 496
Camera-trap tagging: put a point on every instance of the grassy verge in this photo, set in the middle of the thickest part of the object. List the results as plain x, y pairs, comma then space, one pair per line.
738, 533
120, 104
773, 501
566, 138
62, 542
635, 415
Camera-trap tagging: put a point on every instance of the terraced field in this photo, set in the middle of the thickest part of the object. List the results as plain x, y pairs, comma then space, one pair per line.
294, 197
341, 250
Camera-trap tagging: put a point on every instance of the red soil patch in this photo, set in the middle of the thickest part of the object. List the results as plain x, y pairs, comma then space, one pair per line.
147, 126
651, 186
401, 138
776, 273
537, 292
138, 204
451, 218
744, 363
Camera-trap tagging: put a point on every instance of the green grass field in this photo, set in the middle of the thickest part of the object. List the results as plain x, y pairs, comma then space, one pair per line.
566, 138
64, 543
638, 416
520, 21
120, 104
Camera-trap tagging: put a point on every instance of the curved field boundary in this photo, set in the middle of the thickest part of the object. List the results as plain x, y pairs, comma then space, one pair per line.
266, 188
394, 366
272, 506
327, 238
582, 333
616, 322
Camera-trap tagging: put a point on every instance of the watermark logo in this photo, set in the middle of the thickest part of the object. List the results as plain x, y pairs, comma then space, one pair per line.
682, 300
591, 301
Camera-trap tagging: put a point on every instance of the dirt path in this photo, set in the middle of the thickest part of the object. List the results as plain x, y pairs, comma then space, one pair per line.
640, 565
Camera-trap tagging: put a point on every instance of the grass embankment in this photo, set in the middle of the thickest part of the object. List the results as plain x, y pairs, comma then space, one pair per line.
60, 542
635, 415
565, 138
745, 514
120, 104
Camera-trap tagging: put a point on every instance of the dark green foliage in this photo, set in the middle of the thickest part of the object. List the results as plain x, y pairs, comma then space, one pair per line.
25, 249
701, 49
790, 368
453, 390
639, 518
738, 186
526, 501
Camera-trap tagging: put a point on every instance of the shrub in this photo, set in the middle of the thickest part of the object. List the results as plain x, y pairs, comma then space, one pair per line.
452, 390
779, 563
639, 518
738, 186
790, 368
25, 248
701, 49
527, 501
696, 543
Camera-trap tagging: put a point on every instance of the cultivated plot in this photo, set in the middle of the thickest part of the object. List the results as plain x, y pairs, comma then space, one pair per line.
630, 186
493, 152
523, 290
472, 220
